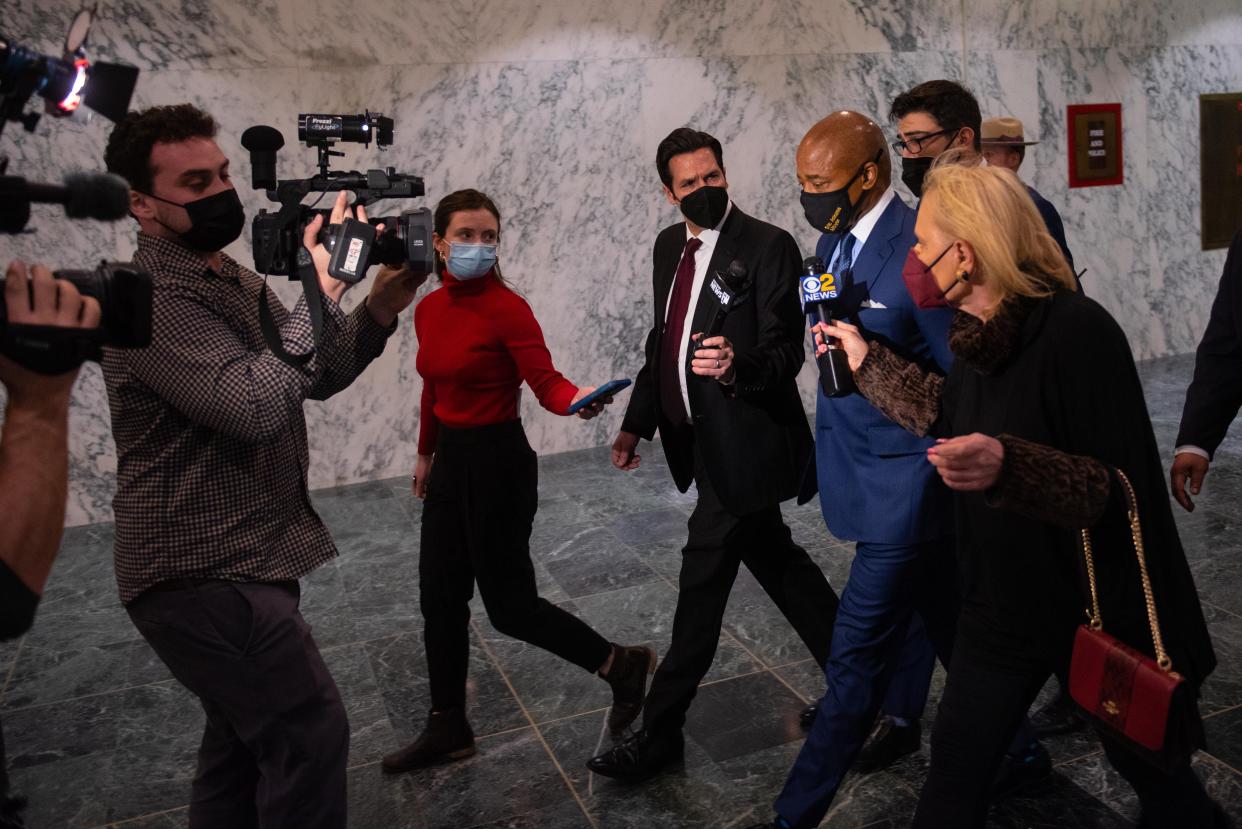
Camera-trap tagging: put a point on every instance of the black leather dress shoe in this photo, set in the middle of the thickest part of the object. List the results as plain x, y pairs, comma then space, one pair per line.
1058, 717
807, 716
888, 743
639, 757
1018, 773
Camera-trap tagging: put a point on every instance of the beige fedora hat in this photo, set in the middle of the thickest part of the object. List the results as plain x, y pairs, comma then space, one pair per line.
1004, 131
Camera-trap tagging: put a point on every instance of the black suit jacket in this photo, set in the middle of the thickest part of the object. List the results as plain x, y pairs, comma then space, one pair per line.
754, 436
1215, 393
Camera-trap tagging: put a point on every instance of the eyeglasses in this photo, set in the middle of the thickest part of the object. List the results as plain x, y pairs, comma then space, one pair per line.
915, 145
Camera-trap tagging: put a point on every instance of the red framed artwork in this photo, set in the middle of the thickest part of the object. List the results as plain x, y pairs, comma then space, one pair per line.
1095, 156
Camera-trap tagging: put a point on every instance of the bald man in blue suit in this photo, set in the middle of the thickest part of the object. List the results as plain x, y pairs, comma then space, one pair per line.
876, 486
875, 483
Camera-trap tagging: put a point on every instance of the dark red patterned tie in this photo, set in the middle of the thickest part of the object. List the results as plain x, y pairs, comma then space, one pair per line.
674, 327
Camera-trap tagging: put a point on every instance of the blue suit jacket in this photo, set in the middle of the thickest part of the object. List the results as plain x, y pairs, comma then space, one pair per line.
875, 482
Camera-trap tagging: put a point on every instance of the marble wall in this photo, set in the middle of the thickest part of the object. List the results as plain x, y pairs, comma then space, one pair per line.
555, 108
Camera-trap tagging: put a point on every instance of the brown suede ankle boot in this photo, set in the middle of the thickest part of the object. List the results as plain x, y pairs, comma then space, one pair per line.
446, 738
628, 677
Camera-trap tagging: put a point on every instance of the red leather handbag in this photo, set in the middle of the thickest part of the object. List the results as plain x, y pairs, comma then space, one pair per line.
1141, 701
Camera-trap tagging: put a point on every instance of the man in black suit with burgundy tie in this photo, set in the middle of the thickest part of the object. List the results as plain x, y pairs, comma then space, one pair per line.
731, 420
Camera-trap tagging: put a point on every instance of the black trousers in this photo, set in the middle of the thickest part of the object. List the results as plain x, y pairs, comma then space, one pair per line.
481, 502
983, 703
276, 741
718, 543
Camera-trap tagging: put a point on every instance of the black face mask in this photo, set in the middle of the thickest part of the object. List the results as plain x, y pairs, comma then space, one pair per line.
833, 212
215, 221
913, 171
706, 206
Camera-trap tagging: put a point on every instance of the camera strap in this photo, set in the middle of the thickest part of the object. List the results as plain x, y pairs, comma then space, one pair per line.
314, 305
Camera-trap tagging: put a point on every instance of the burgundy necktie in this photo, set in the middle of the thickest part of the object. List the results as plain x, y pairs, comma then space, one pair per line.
674, 327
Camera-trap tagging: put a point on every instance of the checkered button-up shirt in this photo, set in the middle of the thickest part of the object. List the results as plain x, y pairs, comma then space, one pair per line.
210, 434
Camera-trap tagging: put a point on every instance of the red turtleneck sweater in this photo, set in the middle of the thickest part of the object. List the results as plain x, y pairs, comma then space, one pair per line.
477, 342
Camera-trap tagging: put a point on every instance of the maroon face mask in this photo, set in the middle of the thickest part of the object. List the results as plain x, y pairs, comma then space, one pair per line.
922, 284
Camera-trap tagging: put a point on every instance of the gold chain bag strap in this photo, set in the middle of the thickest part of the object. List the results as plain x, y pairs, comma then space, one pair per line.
1125, 692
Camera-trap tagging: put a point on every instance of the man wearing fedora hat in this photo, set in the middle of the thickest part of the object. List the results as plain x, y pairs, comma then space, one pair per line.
1004, 145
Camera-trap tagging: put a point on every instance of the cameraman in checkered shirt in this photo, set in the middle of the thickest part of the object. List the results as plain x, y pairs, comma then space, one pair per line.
214, 525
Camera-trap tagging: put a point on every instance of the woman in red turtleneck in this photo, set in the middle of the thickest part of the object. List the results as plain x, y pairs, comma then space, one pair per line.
478, 341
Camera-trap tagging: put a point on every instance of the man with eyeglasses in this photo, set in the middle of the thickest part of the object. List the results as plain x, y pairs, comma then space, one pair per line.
941, 115
932, 118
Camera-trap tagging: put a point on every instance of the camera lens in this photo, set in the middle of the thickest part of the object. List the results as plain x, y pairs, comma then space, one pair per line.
124, 296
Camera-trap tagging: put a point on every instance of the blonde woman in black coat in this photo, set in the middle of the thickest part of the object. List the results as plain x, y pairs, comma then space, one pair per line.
1042, 405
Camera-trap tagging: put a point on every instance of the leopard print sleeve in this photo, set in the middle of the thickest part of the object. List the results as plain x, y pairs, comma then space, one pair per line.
1049, 485
903, 391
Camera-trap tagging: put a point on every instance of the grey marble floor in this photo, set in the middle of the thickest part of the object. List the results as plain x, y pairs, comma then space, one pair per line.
100, 735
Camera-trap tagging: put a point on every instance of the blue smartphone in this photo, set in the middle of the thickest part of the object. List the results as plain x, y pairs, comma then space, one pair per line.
602, 393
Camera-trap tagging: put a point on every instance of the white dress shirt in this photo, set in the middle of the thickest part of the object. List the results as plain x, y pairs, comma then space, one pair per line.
702, 257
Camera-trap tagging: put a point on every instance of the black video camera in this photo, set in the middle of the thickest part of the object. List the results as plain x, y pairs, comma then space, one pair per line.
124, 295
355, 246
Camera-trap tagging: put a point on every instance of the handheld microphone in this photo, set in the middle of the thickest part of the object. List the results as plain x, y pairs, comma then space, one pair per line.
262, 141
726, 286
100, 196
819, 291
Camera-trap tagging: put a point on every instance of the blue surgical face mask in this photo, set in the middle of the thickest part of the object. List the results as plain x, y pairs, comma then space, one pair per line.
470, 261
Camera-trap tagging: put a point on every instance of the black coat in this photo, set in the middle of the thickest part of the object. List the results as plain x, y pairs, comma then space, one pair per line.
754, 438
1071, 385
17, 611
1215, 394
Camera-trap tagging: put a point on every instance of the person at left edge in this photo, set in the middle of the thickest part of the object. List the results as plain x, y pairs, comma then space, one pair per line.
214, 524
34, 457
732, 422
1215, 393
478, 341
34, 444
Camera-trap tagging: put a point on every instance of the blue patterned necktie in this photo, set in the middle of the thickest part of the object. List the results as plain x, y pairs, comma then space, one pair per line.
845, 255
